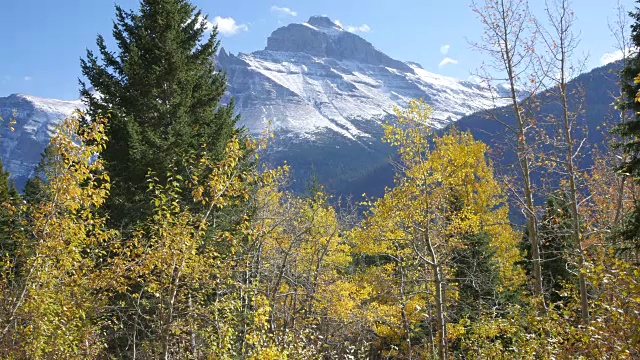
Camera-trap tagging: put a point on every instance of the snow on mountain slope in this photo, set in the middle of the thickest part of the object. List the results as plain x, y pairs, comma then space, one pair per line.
35, 120
315, 77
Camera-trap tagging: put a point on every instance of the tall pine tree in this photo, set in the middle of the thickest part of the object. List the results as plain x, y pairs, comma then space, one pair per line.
629, 131
555, 245
476, 271
162, 94
8, 200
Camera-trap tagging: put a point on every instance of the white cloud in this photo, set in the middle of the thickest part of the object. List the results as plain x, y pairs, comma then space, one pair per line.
361, 28
227, 26
353, 29
447, 61
614, 56
283, 11
610, 57
27, 78
444, 49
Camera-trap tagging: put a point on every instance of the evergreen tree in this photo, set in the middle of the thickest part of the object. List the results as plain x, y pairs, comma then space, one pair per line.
629, 130
8, 201
7, 190
476, 271
162, 94
555, 243
629, 233
35, 189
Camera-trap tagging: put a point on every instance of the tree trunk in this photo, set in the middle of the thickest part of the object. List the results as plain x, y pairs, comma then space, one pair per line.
405, 319
563, 25
441, 322
524, 160
523, 149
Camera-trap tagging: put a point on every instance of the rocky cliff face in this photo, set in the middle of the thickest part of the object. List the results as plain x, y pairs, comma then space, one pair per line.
320, 37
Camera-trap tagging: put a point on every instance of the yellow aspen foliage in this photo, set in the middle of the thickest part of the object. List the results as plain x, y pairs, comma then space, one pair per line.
612, 332
56, 312
521, 332
445, 189
301, 258
185, 272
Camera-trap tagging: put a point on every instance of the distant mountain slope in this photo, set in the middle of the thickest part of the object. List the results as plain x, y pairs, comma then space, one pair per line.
593, 91
598, 89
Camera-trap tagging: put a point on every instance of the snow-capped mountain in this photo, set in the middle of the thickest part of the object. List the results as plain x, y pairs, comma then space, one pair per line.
324, 90
315, 77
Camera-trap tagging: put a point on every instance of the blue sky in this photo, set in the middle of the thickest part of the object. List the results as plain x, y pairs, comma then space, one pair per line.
41, 41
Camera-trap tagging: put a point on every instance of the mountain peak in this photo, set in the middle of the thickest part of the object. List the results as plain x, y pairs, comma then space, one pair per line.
321, 37
323, 22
